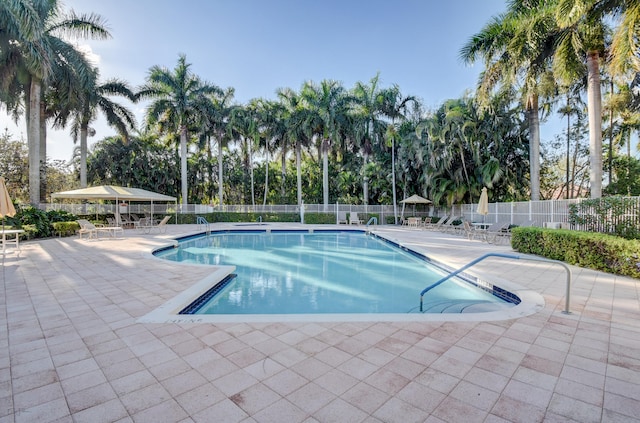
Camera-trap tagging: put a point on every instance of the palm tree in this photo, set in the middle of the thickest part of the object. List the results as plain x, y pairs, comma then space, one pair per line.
298, 129
582, 42
394, 106
245, 127
273, 131
625, 45
118, 116
178, 97
517, 48
368, 111
40, 48
329, 103
215, 125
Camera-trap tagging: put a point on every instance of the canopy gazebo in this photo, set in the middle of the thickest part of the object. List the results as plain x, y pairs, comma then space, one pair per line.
117, 194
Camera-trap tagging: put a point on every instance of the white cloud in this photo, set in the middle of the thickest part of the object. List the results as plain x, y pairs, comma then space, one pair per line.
92, 57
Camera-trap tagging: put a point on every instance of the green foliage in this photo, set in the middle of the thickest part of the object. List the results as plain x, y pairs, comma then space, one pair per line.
602, 252
65, 228
142, 163
242, 217
30, 232
39, 224
14, 167
61, 216
627, 181
612, 215
318, 218
36, 217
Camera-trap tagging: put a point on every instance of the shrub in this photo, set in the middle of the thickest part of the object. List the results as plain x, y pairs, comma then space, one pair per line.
61, 216
36, 217
65, 228
597, 251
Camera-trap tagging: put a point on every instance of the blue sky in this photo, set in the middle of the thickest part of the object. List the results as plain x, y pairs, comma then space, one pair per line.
258, 46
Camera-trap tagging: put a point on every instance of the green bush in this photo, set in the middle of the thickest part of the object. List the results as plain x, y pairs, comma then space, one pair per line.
239, 217
318, 218
61, 216
597, 251
30, 232
36, 217
65, 228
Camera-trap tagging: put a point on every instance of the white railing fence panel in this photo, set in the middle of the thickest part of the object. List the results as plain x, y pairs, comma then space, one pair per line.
548, 213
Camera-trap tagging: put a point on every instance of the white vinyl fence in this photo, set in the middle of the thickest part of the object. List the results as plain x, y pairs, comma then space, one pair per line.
548, 213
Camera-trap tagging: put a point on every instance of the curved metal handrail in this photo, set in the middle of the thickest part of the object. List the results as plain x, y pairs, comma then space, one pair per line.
503, 255
202, 221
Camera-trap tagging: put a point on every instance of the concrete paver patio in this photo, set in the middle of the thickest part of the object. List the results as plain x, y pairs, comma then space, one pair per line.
71, 349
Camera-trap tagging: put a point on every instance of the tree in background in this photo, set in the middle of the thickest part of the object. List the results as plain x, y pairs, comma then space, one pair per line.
41, 55
178, 98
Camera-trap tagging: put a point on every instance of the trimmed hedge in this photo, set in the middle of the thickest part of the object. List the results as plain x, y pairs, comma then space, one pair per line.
65, 228
597, 251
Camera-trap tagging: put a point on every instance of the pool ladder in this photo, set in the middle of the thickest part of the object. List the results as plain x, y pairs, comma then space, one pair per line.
509, 256
202, 223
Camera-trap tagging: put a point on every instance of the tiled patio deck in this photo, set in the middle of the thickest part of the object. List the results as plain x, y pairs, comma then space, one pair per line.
72, 351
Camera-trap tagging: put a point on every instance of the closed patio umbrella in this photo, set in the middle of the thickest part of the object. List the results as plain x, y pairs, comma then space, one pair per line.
6, 209
6, 206
483, 203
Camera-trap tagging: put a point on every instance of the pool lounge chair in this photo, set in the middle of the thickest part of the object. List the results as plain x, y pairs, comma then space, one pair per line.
94, 231
468, 230
496, 232
147, 225
342, 218
448, 226
436, 225
354, 219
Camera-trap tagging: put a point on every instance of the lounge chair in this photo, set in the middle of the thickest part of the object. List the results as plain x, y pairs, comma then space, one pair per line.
468, 230
436, 225
354, 219
496, 232
87, 228
147, 225
126, 222
448, 226
94, 231
342, 218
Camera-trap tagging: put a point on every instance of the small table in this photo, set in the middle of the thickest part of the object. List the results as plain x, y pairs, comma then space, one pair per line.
481, 225
15, 241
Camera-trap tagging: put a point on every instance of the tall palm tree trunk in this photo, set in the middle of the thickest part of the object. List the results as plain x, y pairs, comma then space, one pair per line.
283, 176
534, 148
84, 131
594, 104
43, 153
183, 163
325, 174
33, 137
365, 180
220, 172
393, 180
299, 171
253, 188
266, 178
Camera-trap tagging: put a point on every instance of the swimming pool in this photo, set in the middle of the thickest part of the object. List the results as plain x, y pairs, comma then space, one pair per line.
325, 272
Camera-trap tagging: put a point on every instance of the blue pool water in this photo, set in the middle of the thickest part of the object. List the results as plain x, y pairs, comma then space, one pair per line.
285, 272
